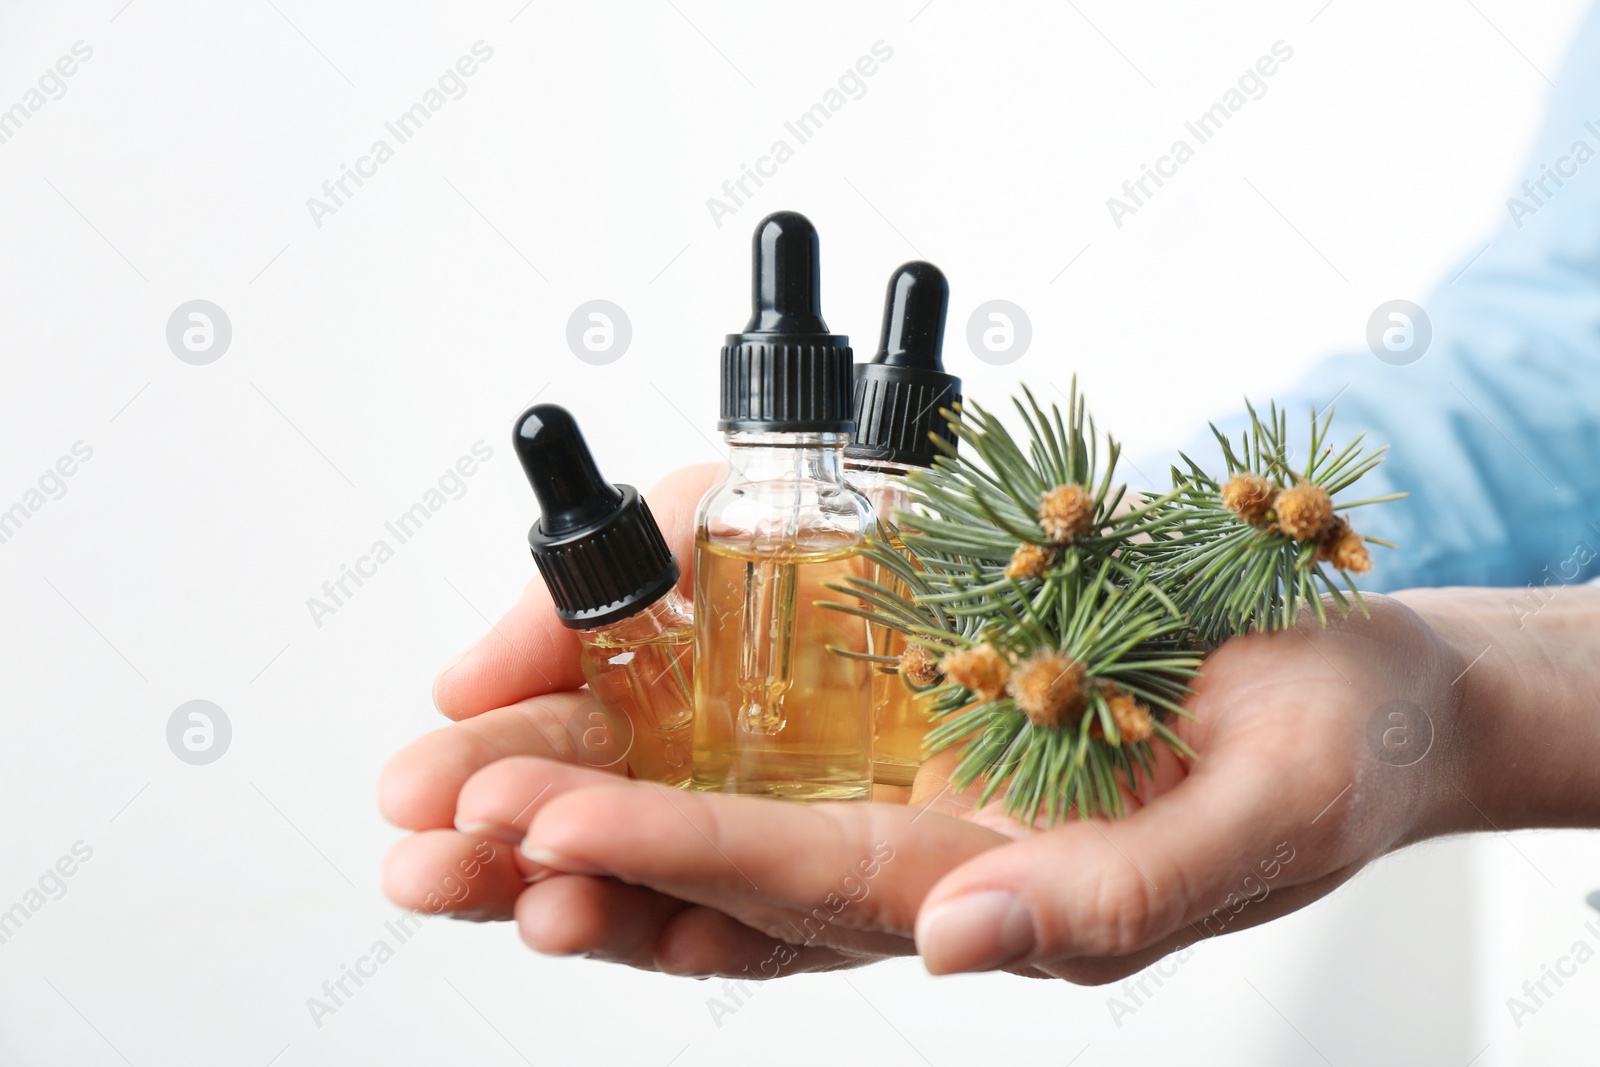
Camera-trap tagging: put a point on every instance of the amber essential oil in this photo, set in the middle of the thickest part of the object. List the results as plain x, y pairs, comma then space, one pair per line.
901, 400
778, 711
901, 716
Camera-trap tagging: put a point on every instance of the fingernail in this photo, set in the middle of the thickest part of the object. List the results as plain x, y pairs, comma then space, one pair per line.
492, 831
537, 876
554, 859
977, 932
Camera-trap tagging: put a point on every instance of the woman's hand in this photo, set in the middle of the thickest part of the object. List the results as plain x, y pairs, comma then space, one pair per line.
1319, 751
1292, 794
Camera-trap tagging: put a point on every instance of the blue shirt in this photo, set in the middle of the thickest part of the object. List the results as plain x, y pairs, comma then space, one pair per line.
1495, 430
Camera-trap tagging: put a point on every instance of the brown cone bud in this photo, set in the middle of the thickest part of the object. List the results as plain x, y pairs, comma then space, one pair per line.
1049, 689
1029, 561
1133, 719
1304, 511
1066, 513
918, 668
1344, 548
981, 670
1249, 496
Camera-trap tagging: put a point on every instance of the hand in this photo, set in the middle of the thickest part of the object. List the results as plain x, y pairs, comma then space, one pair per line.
1287, 800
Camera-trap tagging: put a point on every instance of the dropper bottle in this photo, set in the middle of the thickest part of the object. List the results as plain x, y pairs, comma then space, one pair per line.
613, 580
778, 710
898, 399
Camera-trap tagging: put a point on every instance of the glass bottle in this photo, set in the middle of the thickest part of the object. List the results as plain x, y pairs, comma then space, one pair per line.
613, 580
898, 400
778, 710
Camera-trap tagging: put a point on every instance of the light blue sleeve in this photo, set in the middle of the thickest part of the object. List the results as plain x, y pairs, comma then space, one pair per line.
1495, 431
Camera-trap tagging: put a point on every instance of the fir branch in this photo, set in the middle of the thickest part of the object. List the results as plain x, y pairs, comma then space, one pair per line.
1063, 635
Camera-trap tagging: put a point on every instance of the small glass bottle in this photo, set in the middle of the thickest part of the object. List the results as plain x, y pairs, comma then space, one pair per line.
613, 580
779, 711
898, 399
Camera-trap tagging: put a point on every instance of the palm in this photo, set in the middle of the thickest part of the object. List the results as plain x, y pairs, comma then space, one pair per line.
1265, 821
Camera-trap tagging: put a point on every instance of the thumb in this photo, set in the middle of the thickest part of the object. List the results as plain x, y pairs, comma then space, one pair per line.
1110, 888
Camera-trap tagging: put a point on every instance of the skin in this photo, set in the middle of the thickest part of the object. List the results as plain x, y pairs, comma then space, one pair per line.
1287, 800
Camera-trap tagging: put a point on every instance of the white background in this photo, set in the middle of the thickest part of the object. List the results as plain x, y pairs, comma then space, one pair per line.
372, 351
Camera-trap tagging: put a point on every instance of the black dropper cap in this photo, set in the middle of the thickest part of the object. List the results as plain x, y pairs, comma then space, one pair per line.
899, 394
596, 544
786, 373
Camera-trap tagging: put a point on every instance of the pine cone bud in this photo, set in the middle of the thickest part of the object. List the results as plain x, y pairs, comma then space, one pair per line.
1249, 496
1066, 513
981, 670
1049, 688
918, 668
1344, 548
1133, 719
1304, 511
1029, 561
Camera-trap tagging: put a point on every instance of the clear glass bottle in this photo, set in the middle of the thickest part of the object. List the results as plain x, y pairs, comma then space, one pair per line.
898, 399
778, 710
612, 578
641, 672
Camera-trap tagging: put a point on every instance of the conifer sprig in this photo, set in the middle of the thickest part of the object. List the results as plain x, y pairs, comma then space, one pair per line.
1254, 550
1055, 636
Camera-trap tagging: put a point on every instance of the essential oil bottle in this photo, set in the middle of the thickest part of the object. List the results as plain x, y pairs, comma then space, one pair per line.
613, 580
898, 397
778, 711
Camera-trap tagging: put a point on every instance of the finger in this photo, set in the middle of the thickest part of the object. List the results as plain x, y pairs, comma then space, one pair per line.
1098, 970
703, 941
566, 914
866, 865
1098, 888
527, 653
530, 652
418, 787
442, 872
501, 799
935, 790
606, 919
